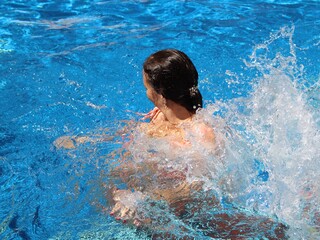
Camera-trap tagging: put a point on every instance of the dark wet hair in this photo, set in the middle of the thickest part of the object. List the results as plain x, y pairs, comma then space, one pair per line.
172, 74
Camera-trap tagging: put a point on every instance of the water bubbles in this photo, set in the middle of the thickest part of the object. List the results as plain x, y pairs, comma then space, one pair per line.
284, 130
3, 83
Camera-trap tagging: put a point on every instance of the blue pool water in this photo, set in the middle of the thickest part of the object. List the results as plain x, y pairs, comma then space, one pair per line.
74, 68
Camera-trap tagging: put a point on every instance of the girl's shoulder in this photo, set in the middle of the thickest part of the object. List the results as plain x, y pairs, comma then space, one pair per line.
203, 131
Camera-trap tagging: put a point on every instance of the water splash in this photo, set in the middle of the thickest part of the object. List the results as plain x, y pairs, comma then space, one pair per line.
275, 138
268, 149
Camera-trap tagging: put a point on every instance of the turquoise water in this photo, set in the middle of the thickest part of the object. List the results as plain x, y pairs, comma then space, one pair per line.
74, 68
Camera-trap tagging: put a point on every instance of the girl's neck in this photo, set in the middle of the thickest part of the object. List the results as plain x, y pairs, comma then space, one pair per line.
175, 113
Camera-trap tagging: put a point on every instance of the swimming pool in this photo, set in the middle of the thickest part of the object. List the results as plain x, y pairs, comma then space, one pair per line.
74, 68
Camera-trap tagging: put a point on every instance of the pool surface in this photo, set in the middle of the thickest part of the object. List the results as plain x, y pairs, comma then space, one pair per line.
73, 68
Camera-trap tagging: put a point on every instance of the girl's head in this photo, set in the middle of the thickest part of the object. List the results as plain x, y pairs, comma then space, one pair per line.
172, 74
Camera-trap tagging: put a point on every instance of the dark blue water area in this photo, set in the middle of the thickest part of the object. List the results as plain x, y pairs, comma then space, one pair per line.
74, 68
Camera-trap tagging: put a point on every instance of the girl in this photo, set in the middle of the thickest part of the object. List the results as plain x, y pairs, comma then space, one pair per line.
168, 160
